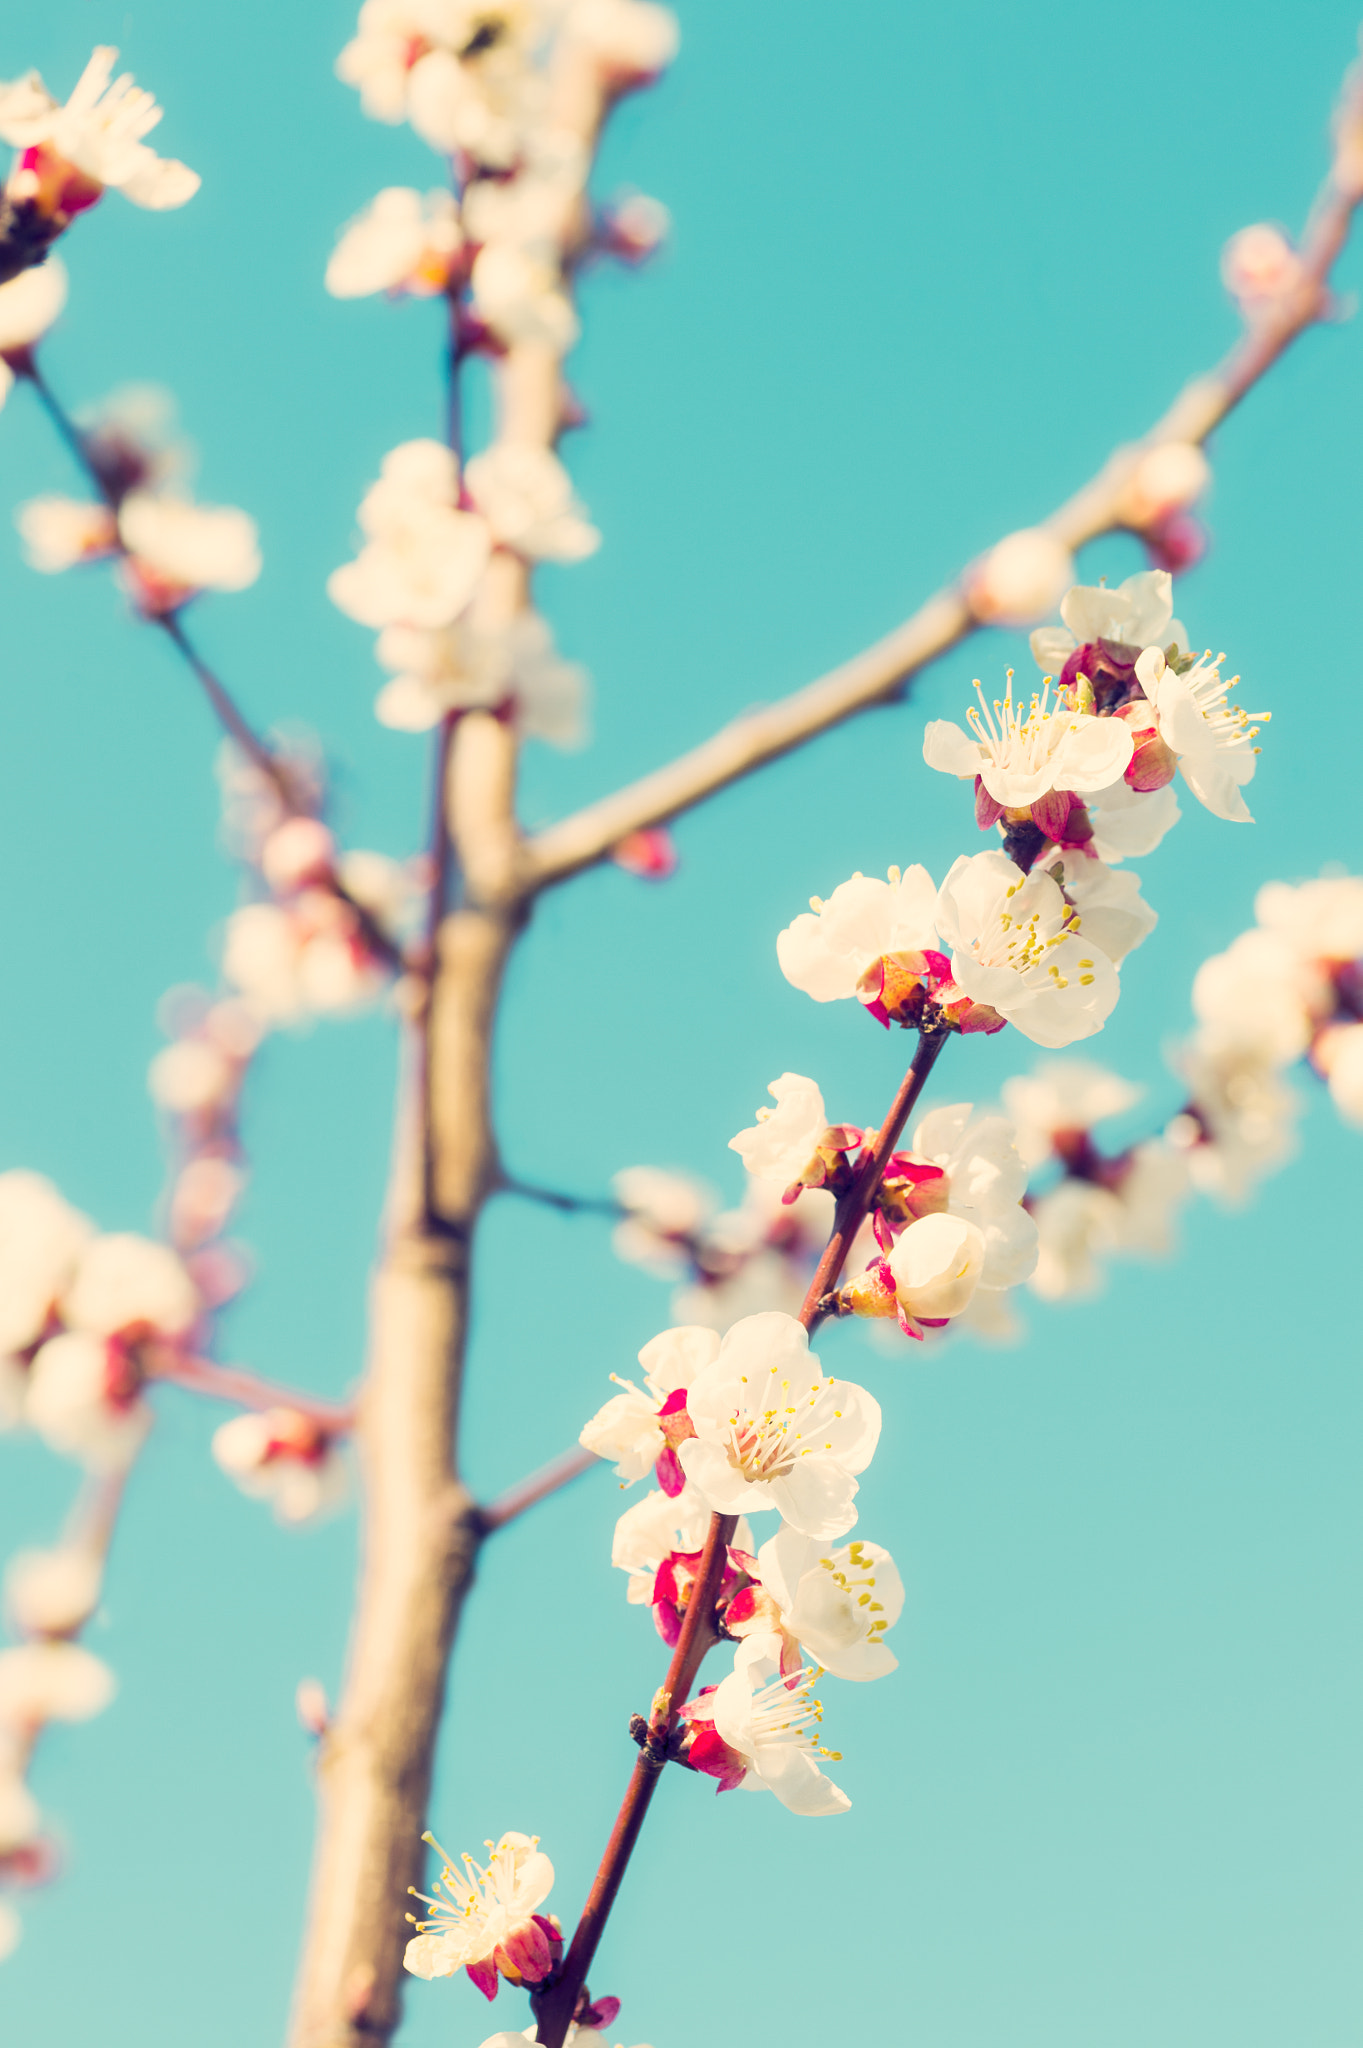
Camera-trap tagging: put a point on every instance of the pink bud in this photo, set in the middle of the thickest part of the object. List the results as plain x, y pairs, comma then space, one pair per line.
298, 852
310, 1704
649, 854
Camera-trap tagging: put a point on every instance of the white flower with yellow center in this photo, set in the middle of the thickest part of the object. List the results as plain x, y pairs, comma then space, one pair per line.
1020, 947
837, 1603
772, 1432
1212, 737
98, 133
1021, 754
481, 1916
772, 1725
826, 950
783, 1141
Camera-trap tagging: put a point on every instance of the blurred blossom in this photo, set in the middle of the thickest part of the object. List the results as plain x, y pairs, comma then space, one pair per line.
650, 854
518, 294
284, 1457
53, 1592
403, 243
1059, 1103
632, 38
312, 1707
124, 1283
11, 1930
1259, 266
20, 1818
1166, 479
634, 226
526, 496
52, 1682
463, 667
72, 152
59, 532
664, 1212
423, 555
84, 1401
30, 303
191, 1077
42, 1239
1021, 578
177, 547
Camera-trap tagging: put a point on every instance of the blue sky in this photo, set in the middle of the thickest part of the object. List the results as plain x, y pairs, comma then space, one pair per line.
928, 266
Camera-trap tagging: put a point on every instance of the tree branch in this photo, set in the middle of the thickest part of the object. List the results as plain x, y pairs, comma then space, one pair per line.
528, 1493
878, 675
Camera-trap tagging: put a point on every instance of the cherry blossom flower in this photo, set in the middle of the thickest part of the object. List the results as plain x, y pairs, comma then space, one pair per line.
838, 1604
1259, 994
641, 1427
126, 1284
1321, 920
517, 292
483, 1920
307, 957
1112, 911
632, 38
53, 1592
191, 1077
456, 69
664, 1214
52, 1682
1033, 762
526, 496
772, 1432
983, 1180
284, 1457
1166, 479
1243, 1116
60, 532
1077, 1221
633, 227
1338, 1053
758, 1729
1059, 1102
1128, 822
1020, 579
423, 555
651, 854
29, 303
463, 667
41, 1241
650, 1531
404, 243
828, 949
177, 547
84, 1399
1020, 948
1260, 267
72, 152
1139, 613
782, 1144
1212, 738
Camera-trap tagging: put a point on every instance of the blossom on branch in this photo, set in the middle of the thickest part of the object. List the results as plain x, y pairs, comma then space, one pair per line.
405, 243
1030, 764
770, 1431
515, 670
458, 70
1020, 948
52, 1681
641, 1429
53, 1592
286, 1458
483, 1920
526, 496
1211, 737
29, 303
1104, 630
837, 1604
794, 1144
423, 554
758, 1730
1020, 579
71, 153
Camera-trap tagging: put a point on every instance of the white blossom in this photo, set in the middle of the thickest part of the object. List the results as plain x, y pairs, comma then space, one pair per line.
423, 555
780, 1145
291, 962
1077, 1221
1166, 479
937, 1263
1063, 1097
477, 1911
464, 667
1018, 946
53, 1592
59, 532
124, 1282
78, 1406
1212, 737
627, 1428
194, 547
1020, 755
772, 1726
1259, 994
20, 1820
526, 496
664, 1211
631, 37
838, 1603
1020, 579
1246, 1115
99, 132
1260, 266
1320, 919
518, 293
403, 242
1128, 822
52, 1682
41, 1239
826, 950
772, 1432
1339, 1054
282, 1456
1112, 911
1138, 613
30, 302
985, 1183
650, 1529
190, 1077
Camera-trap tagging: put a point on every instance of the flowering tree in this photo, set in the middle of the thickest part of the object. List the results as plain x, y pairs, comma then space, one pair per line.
921, 1223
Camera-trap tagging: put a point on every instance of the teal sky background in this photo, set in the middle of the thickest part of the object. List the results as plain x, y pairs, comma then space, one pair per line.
928, 265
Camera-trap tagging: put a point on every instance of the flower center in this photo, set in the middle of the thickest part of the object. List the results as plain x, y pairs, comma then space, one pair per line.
1229, 725
1015, 739
785, 1710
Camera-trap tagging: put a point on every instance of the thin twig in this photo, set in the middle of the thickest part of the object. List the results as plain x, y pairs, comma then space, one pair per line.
528, 1493
249, 1390
557, 1198
437, 897
878, 676
556, 2008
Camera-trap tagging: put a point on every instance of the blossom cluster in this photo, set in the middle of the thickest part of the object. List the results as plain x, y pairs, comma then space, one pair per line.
512, 95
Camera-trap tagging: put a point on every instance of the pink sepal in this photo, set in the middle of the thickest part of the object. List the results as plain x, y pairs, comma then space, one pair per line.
883, 1234
988, 809
1051, 811
602, 2012
484, 1974
667, 1470
528, 1952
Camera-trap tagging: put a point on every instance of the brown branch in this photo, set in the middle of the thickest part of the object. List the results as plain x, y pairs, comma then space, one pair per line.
555, 2007
249, 1390
878, 675
528, 1493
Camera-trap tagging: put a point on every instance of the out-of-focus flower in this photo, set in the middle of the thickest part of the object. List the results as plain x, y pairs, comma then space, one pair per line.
1259, 994
458, 70
1112, 911
758, 1256
72, 152
1020, 948
53, 1592
641, 1429
1259, 268
177, 547
41, 1241
632, 38
1212, 738
52, 1682
126, 1284
484, 1920
1165, 480
759, 1729
191, 1077
423, 554
59, 532
308, 957
1077, 1221
1320, 920
664, 1214
772, 1432
29, 304
84, 1399
633, 227
404, 243
526, 496
463, 667
650, 854
312, 1707
1244, 1115
1338, 1052
1059, 1103
284, 1457
517, 292
1020, 579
